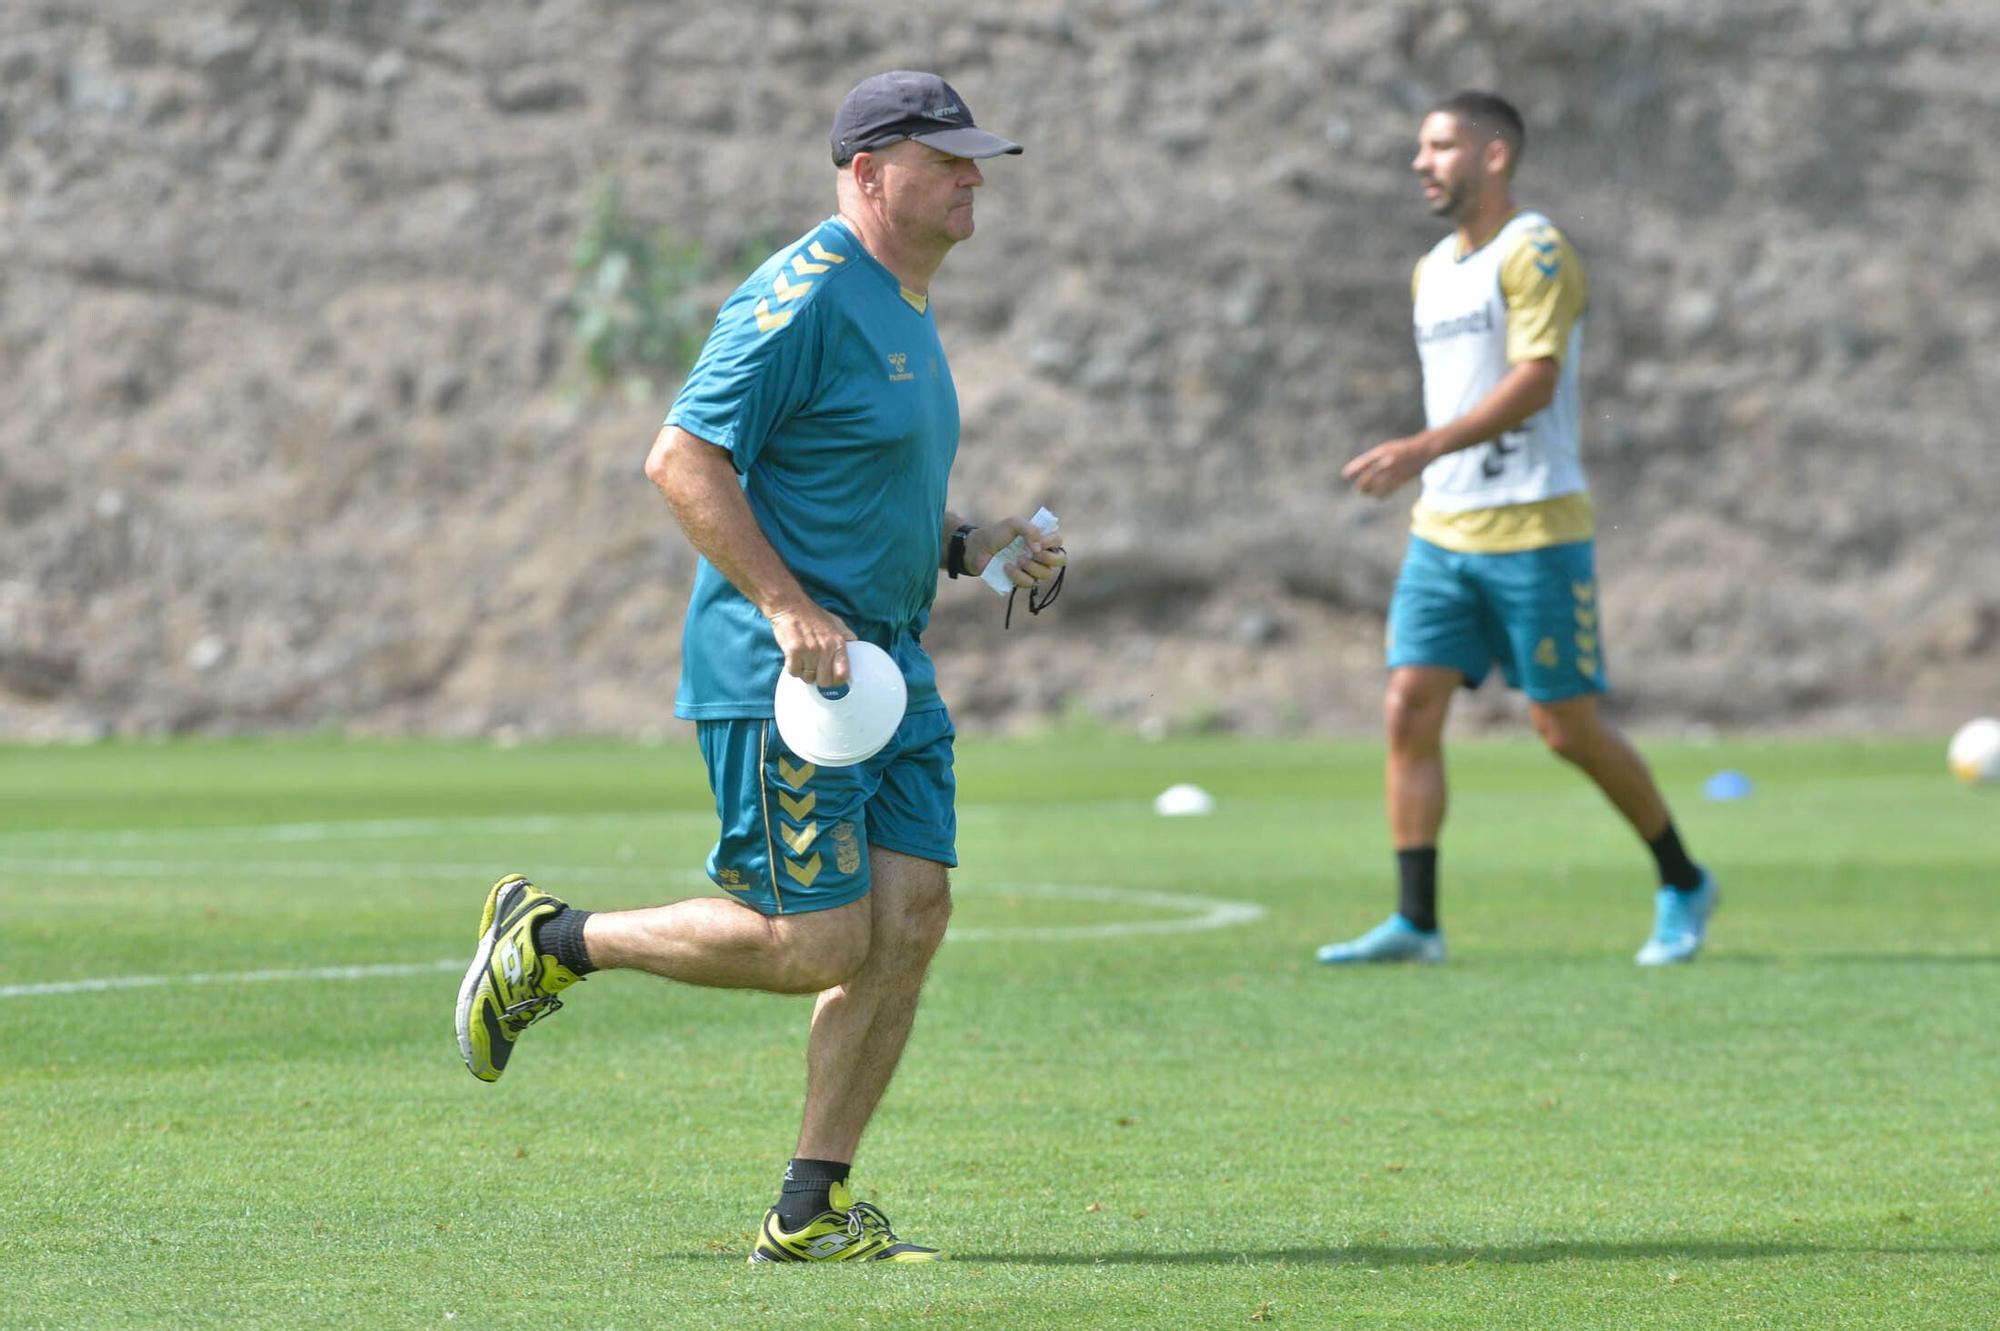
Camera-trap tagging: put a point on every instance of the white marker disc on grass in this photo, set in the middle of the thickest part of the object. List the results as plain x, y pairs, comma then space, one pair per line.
1184, 801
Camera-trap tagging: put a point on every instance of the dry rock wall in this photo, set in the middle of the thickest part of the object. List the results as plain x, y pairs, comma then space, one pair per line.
297, 434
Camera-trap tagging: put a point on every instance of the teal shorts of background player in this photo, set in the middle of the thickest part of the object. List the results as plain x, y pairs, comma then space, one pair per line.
1534, 613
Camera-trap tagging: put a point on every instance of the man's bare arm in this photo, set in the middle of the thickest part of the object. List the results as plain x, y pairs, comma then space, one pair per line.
1527, 388
698, 481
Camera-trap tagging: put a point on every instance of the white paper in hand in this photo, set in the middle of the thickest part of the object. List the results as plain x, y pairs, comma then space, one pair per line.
994, 575
849, 725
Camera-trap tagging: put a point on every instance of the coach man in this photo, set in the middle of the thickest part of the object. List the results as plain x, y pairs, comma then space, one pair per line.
807, 460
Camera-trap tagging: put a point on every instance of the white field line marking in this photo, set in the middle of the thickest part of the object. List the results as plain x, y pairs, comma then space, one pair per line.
342, 870
1213, 914
378, 829
383, 829
1210, 914
225, 977
1207, 914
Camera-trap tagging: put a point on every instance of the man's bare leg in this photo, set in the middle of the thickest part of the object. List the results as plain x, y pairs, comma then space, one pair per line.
1413, 713
533, 947
726, 945
866, 960
1414, 708
859, 1027
1575, 731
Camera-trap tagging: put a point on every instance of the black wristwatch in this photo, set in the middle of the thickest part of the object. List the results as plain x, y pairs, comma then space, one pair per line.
954, 550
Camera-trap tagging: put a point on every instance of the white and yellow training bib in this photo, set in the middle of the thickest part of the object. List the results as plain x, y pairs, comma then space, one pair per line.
1519, 297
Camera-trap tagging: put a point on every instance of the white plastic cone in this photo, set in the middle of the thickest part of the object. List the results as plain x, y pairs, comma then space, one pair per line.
839, 731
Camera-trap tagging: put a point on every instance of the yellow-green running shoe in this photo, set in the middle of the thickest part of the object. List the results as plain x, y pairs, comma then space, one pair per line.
512, 984
850, 1231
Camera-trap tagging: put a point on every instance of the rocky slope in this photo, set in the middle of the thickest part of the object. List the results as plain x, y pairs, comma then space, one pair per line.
296, 435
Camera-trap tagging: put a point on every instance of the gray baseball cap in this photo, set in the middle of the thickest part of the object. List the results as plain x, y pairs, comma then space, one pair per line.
904, 104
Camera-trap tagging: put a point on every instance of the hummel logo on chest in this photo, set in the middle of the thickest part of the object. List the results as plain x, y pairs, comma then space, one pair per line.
899, 367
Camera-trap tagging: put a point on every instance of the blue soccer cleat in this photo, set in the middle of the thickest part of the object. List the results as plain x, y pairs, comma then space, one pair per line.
1680, 920
1395, 939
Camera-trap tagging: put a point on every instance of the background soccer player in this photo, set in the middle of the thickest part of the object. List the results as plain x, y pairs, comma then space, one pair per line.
807, 459
1500, 566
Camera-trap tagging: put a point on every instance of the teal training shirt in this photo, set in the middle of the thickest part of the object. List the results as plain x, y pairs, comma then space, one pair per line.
829, 388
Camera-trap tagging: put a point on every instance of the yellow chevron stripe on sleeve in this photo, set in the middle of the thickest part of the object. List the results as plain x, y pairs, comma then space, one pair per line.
806, 269
789, 290
823, 254
769, 322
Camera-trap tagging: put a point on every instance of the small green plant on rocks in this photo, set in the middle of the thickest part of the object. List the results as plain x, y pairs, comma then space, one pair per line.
635, 307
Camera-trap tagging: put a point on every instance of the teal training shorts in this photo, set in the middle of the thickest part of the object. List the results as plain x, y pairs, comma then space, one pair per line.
1534, 612
795, 836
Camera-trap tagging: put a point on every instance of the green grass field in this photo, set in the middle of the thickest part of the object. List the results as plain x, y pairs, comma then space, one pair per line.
208, 1119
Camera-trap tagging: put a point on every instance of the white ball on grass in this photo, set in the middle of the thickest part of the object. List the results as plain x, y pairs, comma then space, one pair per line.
1975, 752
